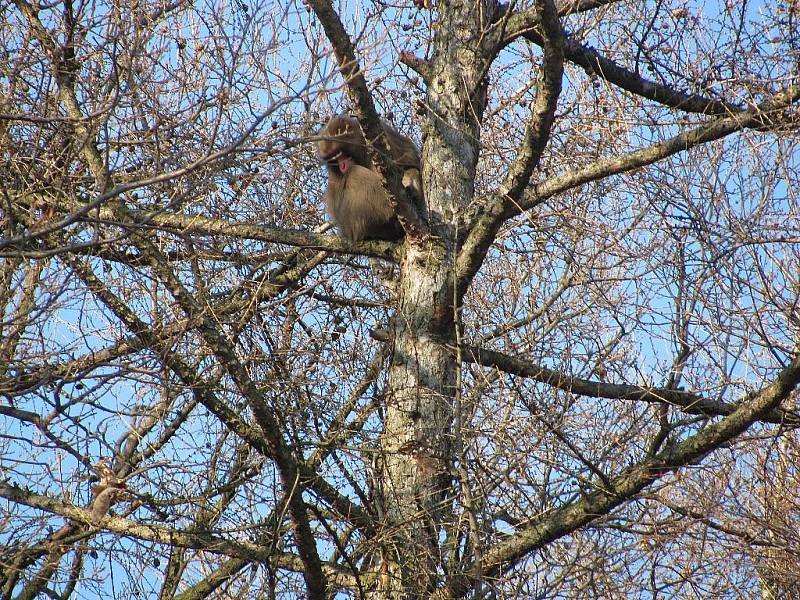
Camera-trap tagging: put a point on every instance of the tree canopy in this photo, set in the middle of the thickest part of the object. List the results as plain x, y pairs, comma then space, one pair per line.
575, 376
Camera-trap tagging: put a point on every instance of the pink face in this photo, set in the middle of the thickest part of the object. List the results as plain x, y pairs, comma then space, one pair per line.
345, 162
341, 160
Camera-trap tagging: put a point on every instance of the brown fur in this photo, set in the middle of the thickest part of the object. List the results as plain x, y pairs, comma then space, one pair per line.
356, 200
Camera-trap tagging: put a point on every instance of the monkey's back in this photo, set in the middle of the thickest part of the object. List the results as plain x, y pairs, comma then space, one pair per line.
358, 204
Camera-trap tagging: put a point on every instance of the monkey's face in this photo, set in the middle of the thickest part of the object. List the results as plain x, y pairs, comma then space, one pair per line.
345, 162
339, 160
344, 147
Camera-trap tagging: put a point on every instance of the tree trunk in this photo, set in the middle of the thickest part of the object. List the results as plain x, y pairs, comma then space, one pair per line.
417, 442
415, 445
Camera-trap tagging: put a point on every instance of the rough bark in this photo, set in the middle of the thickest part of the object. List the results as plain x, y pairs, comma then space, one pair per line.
417, 442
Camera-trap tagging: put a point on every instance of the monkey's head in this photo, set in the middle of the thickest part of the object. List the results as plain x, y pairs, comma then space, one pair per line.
343, 145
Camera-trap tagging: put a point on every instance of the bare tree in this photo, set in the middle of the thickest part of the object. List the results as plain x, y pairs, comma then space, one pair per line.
574, 377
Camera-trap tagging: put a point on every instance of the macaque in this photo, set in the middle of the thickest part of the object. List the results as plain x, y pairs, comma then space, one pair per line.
356, 200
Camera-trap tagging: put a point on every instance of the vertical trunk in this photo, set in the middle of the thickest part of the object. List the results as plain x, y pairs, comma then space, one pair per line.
416, 444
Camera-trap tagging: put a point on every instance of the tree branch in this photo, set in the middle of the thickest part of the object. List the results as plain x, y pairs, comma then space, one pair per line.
630, 481
685, 401
496, 211
525, 23
265, 288
195, 540
537, 133
571, 7
271, 443
537, 130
